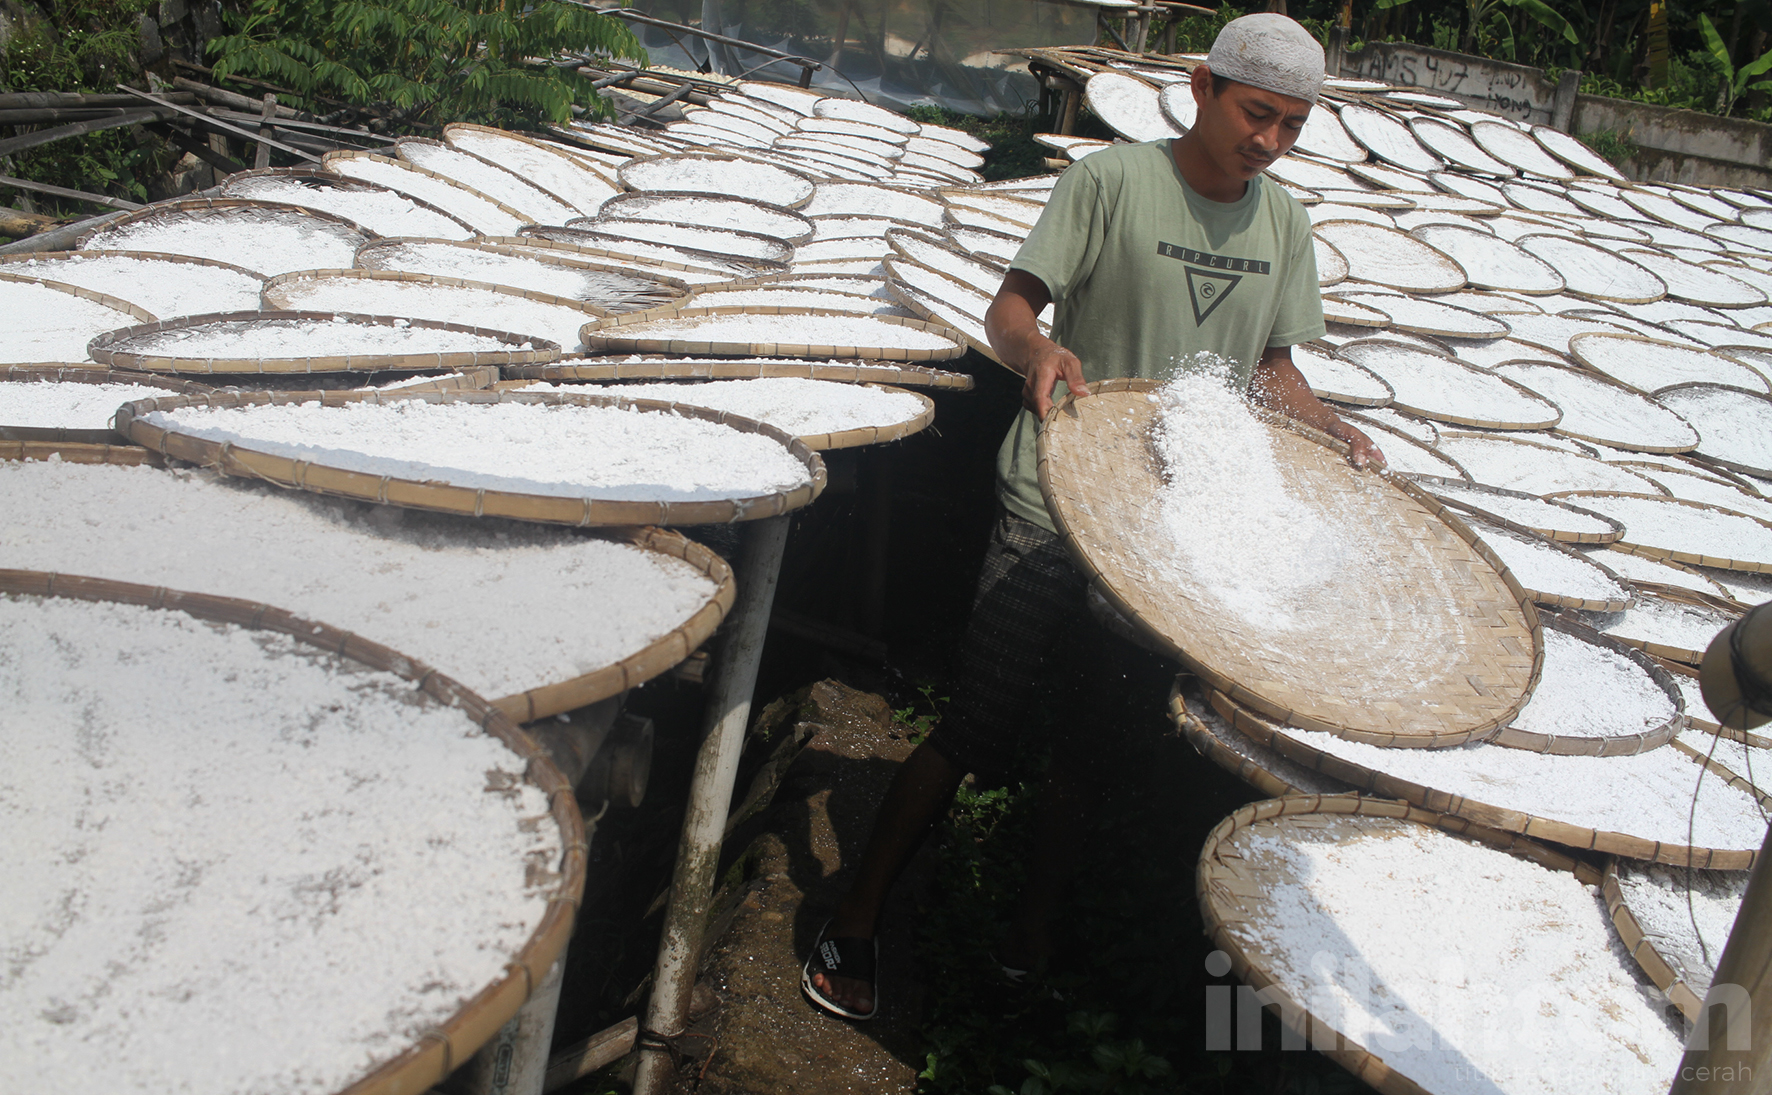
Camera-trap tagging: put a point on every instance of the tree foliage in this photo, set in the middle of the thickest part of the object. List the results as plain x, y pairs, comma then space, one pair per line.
492, 61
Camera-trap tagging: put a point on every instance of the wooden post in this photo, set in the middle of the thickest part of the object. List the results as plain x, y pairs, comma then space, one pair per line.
1563, 105
263, 156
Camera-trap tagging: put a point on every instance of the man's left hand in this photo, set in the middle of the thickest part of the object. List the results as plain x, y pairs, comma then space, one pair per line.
1361, 452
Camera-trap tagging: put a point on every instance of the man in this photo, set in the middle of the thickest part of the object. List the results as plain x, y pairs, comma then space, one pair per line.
1153, 252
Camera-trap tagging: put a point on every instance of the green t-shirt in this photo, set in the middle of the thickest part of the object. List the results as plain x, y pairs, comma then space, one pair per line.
1143, 271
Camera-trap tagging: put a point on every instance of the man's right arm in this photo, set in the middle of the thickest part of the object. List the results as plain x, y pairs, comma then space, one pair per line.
1012, 325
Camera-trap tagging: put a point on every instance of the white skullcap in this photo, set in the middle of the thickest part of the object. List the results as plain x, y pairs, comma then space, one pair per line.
1271, 52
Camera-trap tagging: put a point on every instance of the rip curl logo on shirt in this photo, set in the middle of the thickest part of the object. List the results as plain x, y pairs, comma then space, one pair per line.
1210, 278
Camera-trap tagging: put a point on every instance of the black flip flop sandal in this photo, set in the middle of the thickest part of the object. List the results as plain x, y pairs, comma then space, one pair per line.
841, 957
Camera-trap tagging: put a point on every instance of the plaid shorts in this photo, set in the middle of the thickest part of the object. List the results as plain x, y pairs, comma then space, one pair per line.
1029, 597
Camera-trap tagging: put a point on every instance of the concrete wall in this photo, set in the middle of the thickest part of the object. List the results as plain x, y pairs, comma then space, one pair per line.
1516, 91
1676, 145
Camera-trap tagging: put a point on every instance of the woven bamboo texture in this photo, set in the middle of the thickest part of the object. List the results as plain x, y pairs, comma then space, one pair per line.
454, 1041
1678, 595
474, 379
586, 252
103, 435
1548, 599
276, 295
1269, 780
840, 439
608, 336
321, 220
232, 459
676, 368
330, 158
1651, 551
112, 348
1384, 785
158, 256
327, 178
1642, 949
1621, 745
1565, 535
1099, 476
1231, 889
660, 656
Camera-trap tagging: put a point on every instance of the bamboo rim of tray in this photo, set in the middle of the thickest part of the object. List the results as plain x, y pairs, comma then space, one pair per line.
1227, 888
246, 462
1340, 293
898, 258
635, 197
1682, 596
935, 311
472, 379
1740, 737
902, 375
599, 227
494, 245
439, 1050
1209, 745
696, 297
731, 267
194, 204
102, 349
954, 197
1547, 598
1382, 784
79, 452
1717, 461
156, 256
603, 336
1458, 419
855, 438
1726, 774
1595, 375
1642, 949
341, 182
599, 255
710, 155
1624, 542
950, 230
101, 435
340, 155
546, 146
932, 237
1624, 745
1392, 434
129, 308
1508, 595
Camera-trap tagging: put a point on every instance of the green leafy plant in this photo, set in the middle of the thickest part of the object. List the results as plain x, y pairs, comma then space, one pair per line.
428, 61
1735, 80
1616, 147
1487, 18
918, 724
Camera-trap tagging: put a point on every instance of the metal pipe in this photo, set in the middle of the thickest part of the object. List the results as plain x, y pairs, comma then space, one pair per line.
710, 801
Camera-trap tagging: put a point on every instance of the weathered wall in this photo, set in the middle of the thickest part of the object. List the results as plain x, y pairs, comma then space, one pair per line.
1683, 145
1513, 90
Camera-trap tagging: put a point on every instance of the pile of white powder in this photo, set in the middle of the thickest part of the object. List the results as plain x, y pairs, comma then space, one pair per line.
501, 606
235, 864
800, 407
560, 451
1462, 967
285, 339
69, 405
1666, 900
1588, 691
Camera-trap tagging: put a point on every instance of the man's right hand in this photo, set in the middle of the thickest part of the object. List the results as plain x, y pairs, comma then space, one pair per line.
1047, 366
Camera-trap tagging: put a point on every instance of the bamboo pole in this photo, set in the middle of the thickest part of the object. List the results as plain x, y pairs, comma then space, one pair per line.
710, 801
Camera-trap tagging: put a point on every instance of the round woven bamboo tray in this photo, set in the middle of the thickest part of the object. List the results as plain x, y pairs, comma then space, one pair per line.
607, 336
1385, 785
369, 257
936, 310
1224, 745
99, 436
84, 293
677, 368
345, 155
614, 208
106, 236
1550, 599
106, 348
54, 257
821, 442
232, 188
1099, 475
1666, 976
583, 512
452, 1043
1229, 885
545, 238
1620, 746
1651, 551
1565, 534
1678, 596
555, 697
